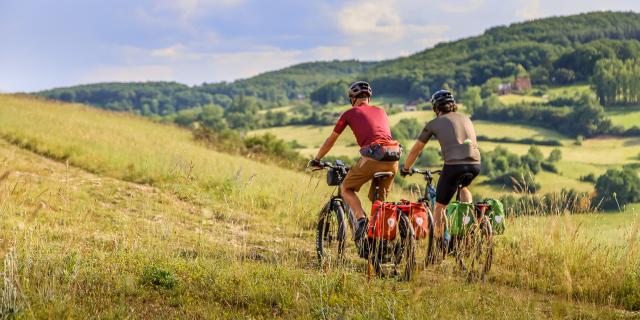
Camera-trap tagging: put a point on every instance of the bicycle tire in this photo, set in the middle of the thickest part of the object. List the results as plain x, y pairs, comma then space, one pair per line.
474, 250
407, 258
331, 226
430, 257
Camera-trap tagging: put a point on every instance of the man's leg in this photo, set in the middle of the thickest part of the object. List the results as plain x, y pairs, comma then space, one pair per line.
465, 195
351, 198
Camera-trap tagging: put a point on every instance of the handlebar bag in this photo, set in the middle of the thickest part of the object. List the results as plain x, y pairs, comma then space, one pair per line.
383, 150
333, 177
383, 224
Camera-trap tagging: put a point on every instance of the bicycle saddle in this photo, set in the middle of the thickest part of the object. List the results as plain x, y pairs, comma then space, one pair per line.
382, 175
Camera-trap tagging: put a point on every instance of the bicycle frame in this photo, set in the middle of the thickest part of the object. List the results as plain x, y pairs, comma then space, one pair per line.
337, 200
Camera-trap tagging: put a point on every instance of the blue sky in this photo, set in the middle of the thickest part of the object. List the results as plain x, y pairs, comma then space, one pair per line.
47, 43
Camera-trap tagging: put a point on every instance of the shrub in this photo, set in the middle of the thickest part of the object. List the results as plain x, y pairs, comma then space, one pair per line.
617, 187
266, 146
555, 155
158, 277
589, 178
549, 167
549, 142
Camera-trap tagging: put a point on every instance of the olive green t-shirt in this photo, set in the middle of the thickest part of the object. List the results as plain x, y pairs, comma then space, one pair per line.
452, 130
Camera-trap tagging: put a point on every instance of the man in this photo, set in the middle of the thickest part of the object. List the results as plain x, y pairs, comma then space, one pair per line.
371, 128
459, 148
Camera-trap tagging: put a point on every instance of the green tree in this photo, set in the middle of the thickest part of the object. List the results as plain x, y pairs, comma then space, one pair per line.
472, 98
618, 187
407, 129
555, 155
533, 159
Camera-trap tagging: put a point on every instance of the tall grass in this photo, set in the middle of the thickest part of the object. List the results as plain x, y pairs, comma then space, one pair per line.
206, 234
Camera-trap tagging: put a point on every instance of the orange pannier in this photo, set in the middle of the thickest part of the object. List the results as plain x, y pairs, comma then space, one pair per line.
418, 216
384, 221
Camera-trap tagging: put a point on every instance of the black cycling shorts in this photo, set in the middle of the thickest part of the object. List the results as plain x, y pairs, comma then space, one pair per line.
452, 176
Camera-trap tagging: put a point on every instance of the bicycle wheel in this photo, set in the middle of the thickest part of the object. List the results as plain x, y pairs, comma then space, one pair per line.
331, 233
474, 250
430, 257
405, 251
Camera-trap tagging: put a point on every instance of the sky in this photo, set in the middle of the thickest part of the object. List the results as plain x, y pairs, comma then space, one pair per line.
46, 44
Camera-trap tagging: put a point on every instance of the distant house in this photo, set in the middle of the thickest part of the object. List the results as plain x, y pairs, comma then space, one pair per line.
505, 88
522, 83
411, 106
519, 84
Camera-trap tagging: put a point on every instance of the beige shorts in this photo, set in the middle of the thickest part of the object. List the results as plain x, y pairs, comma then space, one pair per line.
363, 171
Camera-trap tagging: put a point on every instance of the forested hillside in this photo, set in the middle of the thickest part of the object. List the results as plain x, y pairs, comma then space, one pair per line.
553, 51
164, 98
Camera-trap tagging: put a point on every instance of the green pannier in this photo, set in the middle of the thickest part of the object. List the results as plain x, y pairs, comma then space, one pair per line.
496, 215
460, 217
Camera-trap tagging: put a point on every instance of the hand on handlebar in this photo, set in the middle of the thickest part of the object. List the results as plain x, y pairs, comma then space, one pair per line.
406, 172
315, 163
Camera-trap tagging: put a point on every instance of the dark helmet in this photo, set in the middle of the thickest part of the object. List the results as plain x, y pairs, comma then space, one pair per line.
358, 87
441, 97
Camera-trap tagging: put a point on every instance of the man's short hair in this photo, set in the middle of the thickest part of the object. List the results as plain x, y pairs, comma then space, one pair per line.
362, 96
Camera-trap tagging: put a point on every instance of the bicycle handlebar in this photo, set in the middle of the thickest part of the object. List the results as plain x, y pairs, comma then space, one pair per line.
327, 164
425, 172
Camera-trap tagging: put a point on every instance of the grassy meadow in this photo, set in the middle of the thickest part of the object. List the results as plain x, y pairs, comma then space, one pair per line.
109, 215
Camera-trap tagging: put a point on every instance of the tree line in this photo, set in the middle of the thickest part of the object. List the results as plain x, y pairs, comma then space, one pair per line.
617, 82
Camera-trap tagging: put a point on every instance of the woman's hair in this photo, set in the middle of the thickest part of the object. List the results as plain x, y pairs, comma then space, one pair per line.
447, 107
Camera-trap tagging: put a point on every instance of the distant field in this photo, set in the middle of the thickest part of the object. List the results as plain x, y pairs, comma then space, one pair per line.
594, 156
627, 116
510, 99
572, 90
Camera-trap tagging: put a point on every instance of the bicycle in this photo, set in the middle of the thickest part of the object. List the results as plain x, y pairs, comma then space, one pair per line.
473, 247
384, 245
332, 228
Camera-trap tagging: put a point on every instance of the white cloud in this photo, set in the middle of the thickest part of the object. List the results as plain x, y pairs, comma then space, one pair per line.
367, 19
530, 9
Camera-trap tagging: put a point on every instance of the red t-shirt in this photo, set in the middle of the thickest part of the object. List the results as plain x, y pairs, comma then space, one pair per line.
368, 123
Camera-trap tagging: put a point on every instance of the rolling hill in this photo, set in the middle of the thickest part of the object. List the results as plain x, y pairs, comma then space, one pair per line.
551, 49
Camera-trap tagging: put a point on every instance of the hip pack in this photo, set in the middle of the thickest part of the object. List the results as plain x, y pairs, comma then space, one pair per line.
383, 150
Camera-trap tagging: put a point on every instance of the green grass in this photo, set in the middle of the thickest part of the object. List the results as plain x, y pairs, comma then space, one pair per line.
511, 99
627, 116
138, 220
571, 91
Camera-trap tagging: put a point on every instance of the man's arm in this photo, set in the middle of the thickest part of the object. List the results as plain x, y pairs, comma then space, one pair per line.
413, 155
328, 144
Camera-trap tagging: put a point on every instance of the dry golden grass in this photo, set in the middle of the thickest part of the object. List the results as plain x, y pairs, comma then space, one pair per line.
145, 223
